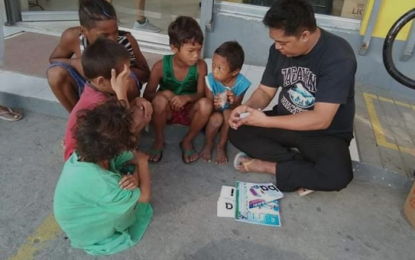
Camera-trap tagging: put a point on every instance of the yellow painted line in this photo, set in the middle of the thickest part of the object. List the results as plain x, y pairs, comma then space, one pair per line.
47, 231
402, 104
388, 100
407, 150
377, 127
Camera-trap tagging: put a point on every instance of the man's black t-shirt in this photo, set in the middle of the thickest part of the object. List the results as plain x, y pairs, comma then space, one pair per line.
326, 74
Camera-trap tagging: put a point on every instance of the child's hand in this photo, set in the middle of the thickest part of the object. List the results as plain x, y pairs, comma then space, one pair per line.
120, 82
145, 105
178, 102
217, 102
231, 96
128, 182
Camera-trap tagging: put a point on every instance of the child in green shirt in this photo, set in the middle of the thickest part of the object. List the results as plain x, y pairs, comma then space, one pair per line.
101, 210
180, 98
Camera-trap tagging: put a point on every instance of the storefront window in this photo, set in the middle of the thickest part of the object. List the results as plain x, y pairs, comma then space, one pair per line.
343, 8
49, 5
160, 13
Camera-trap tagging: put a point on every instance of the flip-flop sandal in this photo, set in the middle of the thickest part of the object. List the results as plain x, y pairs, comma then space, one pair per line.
155, 152
15, 115
237, 162
188, 153
304, 192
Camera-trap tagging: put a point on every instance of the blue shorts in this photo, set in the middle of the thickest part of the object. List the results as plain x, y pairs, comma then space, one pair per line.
80, 80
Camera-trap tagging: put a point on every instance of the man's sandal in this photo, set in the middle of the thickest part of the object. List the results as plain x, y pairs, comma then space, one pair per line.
237, 163
10, 115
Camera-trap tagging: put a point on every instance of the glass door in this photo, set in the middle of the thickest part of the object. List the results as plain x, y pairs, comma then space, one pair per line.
154, 15
146, 20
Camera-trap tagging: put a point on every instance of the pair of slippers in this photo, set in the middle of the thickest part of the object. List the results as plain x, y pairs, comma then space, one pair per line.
185, 152
10, 115
237, 163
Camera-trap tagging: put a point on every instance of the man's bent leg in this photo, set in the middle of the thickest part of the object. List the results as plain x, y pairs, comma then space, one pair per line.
268, 144
326, 165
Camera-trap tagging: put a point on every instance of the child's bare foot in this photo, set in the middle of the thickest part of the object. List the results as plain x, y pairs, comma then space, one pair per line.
221, 158
189, 154
206, 153
155, 153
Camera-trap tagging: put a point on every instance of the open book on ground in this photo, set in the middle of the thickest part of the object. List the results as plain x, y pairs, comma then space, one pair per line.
255, 203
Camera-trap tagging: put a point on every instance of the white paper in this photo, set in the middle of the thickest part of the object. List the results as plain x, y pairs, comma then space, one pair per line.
227, 192
226, 208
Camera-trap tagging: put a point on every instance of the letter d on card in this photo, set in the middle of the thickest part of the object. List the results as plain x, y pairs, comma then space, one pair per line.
226, 208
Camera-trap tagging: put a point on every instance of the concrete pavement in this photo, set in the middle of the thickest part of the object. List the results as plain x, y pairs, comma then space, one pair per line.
361, 222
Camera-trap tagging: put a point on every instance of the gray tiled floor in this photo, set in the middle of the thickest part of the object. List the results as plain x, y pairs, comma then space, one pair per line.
396, 117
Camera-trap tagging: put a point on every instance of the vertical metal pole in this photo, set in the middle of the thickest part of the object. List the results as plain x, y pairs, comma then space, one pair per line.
409, 47
206, 18
13, 11
1, 37
370, 27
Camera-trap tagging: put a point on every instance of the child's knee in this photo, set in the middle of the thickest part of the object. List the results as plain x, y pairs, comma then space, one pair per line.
166, 93
56, 75
205, 106
160, 103
216, 120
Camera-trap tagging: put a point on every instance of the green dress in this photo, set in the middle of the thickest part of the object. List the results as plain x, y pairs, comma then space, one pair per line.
169, 81
95, 213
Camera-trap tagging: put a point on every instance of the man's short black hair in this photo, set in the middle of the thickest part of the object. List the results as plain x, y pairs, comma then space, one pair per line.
103, 55
233, 53
91, 11
291, 16
185, 30
104, 132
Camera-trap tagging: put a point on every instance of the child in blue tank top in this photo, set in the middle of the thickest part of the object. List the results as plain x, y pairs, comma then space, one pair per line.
226, 87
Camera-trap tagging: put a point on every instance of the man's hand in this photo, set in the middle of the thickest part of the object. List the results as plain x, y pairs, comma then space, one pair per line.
145, 105
177, 103
255, 117
234, 117
120, 82
128, 182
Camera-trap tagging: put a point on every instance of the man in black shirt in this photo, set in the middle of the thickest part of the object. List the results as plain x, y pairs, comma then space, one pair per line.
315, 111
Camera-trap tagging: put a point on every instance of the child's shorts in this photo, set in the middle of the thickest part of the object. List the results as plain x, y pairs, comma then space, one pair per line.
181, 117
80, 80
